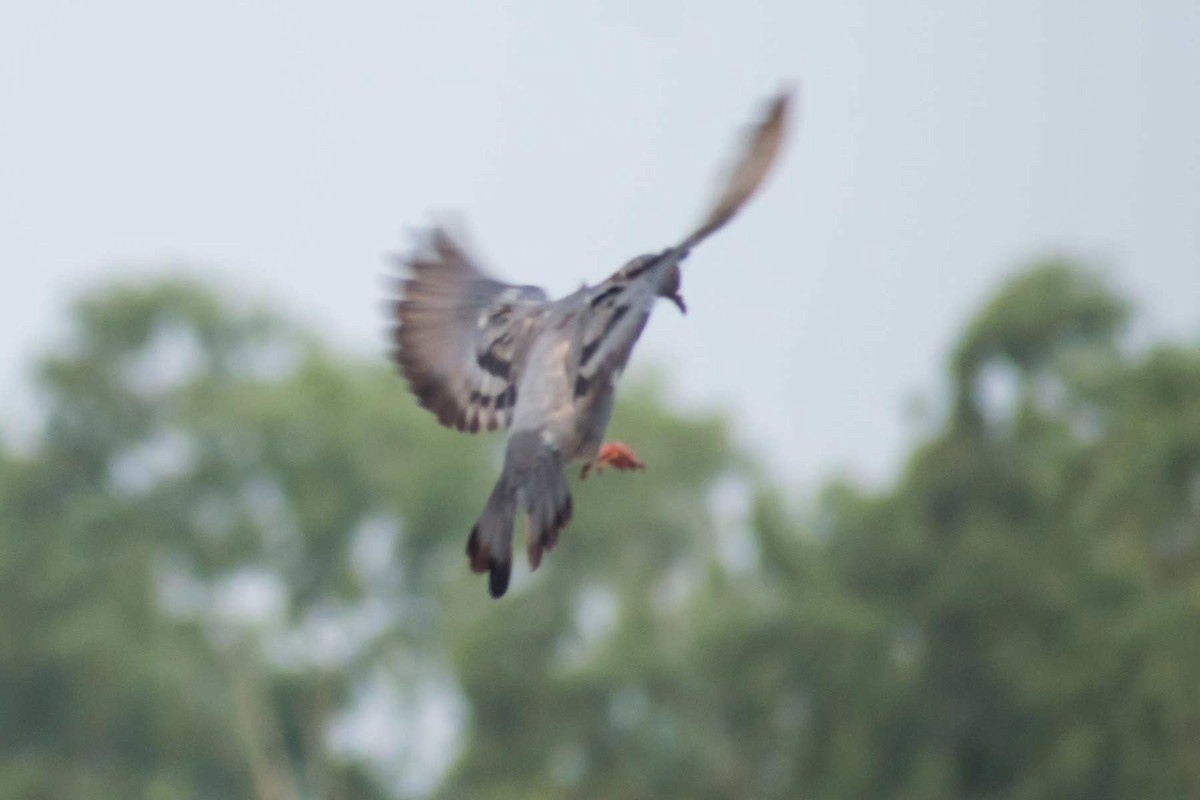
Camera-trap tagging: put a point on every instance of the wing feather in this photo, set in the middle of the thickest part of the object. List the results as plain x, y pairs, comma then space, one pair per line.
757, 154
460, 335
617, 311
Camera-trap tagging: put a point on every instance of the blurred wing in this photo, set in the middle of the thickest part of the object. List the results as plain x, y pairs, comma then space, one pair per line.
757, 156
460, 336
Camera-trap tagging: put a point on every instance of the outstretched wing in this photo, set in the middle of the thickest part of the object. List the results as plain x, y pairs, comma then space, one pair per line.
617, 309
461, 336
754, 161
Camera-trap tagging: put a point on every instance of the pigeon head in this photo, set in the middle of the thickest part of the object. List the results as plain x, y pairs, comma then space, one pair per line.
669, 288
668, 280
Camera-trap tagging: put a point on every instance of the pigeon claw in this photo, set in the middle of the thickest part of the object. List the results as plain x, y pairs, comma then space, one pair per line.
613, 454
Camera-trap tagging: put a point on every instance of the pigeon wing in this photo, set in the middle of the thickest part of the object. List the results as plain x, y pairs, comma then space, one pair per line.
757, 154
615, 315
461, 335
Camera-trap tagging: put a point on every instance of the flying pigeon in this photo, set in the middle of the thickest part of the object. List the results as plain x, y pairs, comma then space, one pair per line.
482, 354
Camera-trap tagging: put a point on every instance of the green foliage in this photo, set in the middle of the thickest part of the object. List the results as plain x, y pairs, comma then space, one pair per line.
229, 541
192, 447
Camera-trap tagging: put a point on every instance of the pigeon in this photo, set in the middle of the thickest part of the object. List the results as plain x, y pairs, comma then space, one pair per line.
481, 354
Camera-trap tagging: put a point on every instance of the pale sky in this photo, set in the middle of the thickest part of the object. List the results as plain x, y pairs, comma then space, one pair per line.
287, 146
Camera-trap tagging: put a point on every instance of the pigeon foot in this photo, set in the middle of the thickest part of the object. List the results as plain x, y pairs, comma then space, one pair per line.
613, 454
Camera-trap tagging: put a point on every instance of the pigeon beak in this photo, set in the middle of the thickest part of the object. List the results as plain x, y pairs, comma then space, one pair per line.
677, 299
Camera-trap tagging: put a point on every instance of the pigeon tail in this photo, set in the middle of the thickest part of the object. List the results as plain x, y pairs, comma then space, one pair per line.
548, 506
533, 475
490, 544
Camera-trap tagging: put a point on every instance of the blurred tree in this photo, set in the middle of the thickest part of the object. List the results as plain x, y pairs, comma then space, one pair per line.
223, 531
1037, 564
1017, 617
231, 566
228, 556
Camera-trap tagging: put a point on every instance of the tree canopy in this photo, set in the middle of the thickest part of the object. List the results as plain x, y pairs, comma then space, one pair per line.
231, 565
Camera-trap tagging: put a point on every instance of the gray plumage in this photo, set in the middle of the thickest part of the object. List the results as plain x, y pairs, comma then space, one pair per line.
482, 354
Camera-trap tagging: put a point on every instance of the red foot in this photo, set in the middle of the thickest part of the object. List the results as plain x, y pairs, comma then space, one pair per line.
615, 455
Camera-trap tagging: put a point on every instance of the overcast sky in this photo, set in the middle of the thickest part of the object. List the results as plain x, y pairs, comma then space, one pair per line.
288, 145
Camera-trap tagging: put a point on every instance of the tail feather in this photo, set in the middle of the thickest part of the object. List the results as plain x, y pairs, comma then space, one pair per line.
547, 506
489, 547
533, 474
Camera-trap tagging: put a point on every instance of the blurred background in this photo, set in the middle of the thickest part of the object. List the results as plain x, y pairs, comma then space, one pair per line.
922, 511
